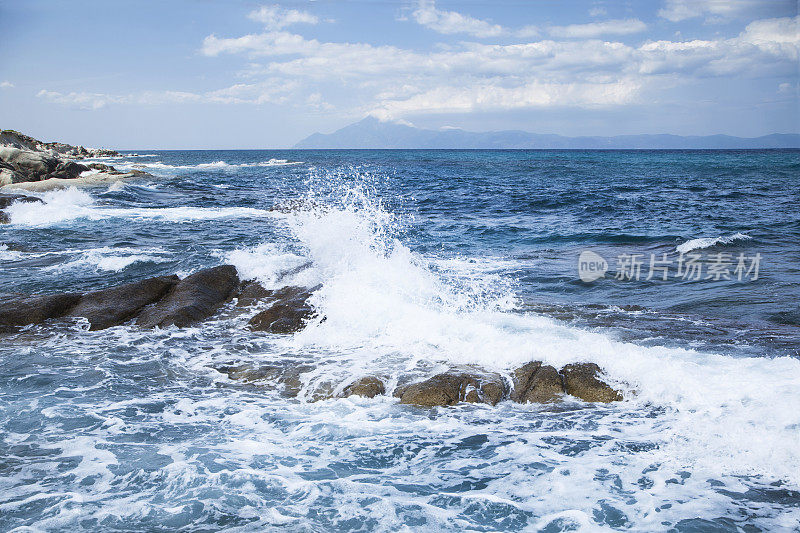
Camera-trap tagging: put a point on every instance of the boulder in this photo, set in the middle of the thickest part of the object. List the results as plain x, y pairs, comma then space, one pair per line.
534, 383
7, 199
368, 387
288, 314
284, 377
452, 387
24, 310
9, 176
68, 170
192, 299
114, 306
33, 166
581, 381
251, 292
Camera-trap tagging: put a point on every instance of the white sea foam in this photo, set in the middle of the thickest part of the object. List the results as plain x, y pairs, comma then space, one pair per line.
66, 205
691, 425
10, 255
215, 165
386, 308
111, 259
708, 242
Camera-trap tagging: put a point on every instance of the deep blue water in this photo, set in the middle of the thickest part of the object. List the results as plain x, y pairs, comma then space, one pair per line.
427, 259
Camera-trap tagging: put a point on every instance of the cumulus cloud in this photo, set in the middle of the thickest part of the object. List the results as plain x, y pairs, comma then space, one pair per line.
450, 22
765, 47
578, 70
596, 29
572, 67
6, 85
276, 18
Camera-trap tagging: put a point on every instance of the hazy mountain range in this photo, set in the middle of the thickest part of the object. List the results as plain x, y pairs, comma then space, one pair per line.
371, 133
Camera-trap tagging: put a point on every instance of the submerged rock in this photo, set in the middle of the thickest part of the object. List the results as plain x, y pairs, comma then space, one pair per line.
534, 383
581, 381
452, 387
283, 377
25, 310
368, 387
288, 314
194, 298
112, 307
7, 199
252, 292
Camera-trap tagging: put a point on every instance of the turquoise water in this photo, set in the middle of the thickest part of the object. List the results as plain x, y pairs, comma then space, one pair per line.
427, 259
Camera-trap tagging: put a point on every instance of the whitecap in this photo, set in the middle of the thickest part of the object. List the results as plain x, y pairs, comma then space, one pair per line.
111, 259
708, 242
66, 205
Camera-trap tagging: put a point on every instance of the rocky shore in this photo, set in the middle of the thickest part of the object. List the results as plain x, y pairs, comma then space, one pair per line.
167, 301
30, 164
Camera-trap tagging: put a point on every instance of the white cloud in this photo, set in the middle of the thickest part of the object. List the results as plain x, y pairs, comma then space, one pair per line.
765, 47
596, 29
391, 82
82, 100
714, 10
598, 12
490, 96
271, 91
276, 18
451, 22
773, 31
6, 85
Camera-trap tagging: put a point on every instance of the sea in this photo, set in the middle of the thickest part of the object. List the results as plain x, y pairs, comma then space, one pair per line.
677, 272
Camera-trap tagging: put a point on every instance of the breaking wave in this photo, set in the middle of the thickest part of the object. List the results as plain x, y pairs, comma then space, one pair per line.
708, 242
391, 310
63, 206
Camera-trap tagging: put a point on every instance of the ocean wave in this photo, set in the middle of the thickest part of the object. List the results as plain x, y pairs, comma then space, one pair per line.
67, 205
390, 310
10, 255
708, 242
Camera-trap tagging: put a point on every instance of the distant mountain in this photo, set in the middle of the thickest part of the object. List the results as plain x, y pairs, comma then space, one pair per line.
371, 133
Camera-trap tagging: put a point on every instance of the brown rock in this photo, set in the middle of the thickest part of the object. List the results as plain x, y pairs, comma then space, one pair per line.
453, 387
536, 383
368, 386
580, 380
521, 377
111, 307
194, 298
251, 292
7, 199
288, 315
21, 311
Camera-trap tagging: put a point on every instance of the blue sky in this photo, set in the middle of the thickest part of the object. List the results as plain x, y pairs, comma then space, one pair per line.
236, 74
